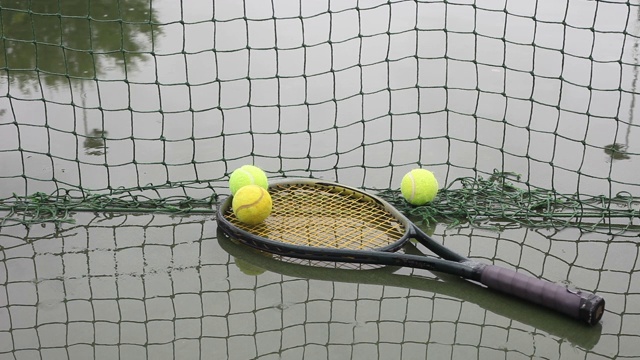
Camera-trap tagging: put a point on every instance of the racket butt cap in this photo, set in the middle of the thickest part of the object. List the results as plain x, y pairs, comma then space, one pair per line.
591, 308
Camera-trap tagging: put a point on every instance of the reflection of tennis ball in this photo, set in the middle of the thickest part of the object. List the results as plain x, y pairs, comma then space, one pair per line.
247, 175
251, 204
419, 186
247, 268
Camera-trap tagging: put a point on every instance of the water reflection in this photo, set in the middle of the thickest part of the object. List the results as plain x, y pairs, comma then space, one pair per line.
94, 143
618, 151
58, 46
255, 263
56, 41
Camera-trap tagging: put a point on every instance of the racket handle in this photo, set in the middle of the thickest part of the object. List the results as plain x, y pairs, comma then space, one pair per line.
578, 304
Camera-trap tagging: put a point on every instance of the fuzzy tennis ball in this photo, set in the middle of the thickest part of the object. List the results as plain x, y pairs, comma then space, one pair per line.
251, 204
247, 175
419, 186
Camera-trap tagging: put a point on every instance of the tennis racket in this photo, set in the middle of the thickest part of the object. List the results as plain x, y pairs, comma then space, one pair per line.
326, 221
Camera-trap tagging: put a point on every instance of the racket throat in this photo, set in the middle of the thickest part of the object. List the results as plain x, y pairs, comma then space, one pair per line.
474, 269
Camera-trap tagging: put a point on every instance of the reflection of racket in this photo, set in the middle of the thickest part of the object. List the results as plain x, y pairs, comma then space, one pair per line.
449, 287
326, 221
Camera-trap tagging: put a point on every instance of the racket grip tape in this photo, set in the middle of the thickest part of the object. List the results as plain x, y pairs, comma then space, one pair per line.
578, 304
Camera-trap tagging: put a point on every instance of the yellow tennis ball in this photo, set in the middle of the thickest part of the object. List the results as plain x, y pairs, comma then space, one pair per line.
247, 175
419, 186
251, 204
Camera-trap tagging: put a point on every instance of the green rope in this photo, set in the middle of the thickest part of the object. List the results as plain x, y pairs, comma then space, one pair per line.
58, 209
497, 203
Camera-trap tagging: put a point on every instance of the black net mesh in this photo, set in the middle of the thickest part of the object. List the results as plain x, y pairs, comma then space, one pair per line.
120, 122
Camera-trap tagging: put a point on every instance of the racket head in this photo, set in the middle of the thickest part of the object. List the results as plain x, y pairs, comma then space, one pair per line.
313, 218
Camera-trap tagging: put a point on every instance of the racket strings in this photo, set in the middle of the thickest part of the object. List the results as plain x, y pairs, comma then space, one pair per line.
325, 216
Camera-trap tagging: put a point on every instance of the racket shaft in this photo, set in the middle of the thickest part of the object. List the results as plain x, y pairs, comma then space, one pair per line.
577, 304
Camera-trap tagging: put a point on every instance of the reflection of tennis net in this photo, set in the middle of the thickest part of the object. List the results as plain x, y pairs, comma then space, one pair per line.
153, 286
106, 109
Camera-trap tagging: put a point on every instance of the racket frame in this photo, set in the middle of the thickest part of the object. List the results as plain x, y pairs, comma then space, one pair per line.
580, 305
450, 261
